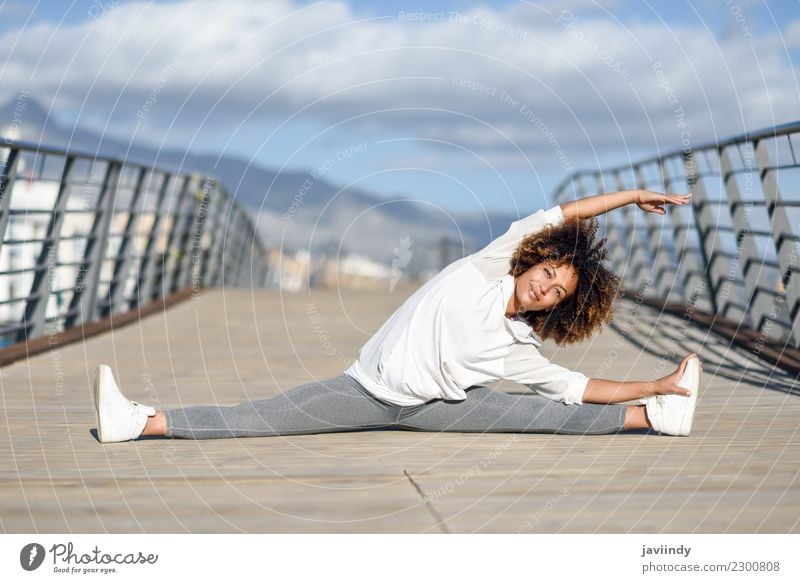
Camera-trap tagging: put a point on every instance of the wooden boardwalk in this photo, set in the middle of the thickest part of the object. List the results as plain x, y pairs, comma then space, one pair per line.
737, 472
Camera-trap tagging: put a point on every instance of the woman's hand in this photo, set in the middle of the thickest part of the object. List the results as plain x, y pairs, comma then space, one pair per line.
653, 202
648, 201
669, 384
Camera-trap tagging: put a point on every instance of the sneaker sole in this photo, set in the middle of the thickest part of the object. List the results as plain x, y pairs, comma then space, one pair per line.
690, 380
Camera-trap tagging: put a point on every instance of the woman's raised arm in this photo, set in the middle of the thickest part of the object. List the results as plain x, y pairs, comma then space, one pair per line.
648, 201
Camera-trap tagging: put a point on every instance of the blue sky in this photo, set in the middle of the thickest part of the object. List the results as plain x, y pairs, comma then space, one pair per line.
468, 105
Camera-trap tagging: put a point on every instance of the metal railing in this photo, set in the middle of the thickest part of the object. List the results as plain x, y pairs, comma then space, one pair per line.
83, 237
735, 253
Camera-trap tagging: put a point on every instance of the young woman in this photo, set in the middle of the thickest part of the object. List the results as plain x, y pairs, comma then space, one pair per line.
479, 320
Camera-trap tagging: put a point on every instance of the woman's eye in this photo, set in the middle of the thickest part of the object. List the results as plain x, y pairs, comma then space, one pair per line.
547, 271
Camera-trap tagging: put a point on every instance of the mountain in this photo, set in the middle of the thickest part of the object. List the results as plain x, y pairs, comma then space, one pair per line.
291, 209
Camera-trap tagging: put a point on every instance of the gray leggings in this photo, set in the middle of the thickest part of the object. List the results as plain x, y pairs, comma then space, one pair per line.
342, 404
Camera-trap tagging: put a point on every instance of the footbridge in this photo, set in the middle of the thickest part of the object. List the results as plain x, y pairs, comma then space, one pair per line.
162, 275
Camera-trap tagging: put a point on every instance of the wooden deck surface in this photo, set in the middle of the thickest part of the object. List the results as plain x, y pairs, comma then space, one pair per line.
736, 473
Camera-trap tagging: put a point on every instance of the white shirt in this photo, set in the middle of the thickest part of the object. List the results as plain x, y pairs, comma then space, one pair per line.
452, 333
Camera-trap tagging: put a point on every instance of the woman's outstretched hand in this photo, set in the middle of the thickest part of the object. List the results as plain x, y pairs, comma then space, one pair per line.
598, 204
669, 384
653, 202
608, 391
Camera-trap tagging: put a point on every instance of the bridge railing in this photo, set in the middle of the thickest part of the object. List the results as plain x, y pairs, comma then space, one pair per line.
734, 254
84, 237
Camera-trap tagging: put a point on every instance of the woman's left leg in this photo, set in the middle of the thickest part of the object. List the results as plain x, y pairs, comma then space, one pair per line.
327, 406
488, 411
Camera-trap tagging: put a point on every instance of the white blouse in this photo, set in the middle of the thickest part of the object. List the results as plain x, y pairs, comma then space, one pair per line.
452, 333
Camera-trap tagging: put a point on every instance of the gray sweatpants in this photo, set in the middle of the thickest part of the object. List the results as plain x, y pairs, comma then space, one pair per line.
342, 404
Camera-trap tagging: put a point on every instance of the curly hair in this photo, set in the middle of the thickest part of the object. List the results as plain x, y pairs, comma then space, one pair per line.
591, 306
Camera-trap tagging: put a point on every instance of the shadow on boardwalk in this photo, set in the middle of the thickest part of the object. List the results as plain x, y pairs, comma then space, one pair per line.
737, 472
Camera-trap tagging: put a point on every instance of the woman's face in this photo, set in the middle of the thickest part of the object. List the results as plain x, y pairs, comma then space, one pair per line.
544, 286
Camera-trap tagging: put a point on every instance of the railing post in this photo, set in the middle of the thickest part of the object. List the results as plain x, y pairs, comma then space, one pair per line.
638, 260
171, 255
202, 218
247, 253
785, 244
146, 275
229, 264
580, 190
122, 264
223, 245
216, 216
183, 266
261, 267
249, 243
6, 187
704, 224
249, 263
34, 317
244, 266
238, 247
653, 246
616, 246
718, 265
749, 265
84, 299
672, 261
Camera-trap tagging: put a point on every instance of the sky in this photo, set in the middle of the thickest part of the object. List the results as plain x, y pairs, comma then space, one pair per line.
472, 105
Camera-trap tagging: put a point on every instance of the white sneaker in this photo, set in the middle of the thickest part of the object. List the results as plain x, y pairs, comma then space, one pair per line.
673, 414
118, 419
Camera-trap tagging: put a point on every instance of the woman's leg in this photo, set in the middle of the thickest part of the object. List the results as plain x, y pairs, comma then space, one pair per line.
636, 418
485, 410
337, 404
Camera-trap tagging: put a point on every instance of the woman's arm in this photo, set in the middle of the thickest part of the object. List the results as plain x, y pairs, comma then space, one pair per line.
592, 206
605, 392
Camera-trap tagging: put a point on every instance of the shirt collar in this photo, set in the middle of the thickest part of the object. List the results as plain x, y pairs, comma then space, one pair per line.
518, 327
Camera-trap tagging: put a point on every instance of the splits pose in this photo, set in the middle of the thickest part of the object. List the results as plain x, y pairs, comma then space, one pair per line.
480, 320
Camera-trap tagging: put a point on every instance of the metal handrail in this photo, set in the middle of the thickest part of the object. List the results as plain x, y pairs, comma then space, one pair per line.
769, 132
717, 260
184, 245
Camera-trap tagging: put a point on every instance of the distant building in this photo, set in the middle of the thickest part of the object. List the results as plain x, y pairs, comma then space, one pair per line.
299, 271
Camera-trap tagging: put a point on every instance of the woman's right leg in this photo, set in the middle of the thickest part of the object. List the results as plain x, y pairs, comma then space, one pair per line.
337, 404
488, 411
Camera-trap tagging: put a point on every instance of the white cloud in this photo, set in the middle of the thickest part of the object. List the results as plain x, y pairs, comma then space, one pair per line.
792, 34
18, 10
591, 83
